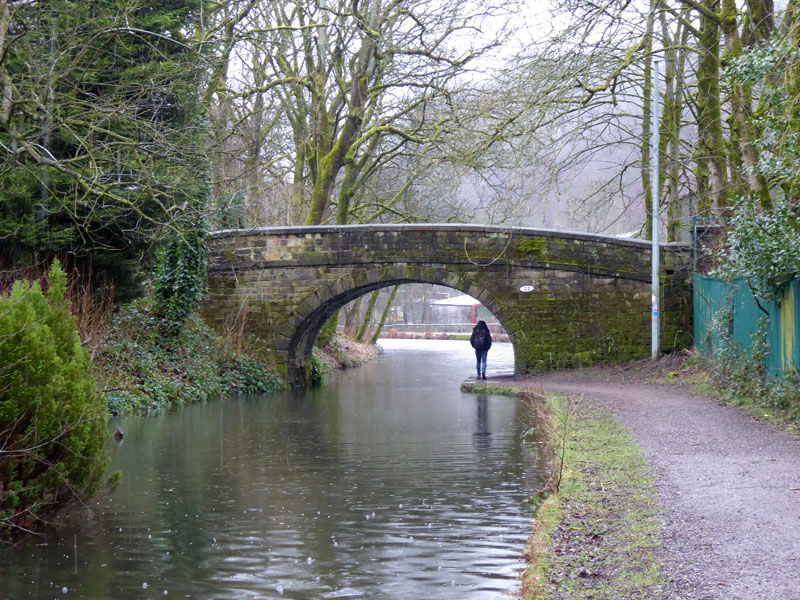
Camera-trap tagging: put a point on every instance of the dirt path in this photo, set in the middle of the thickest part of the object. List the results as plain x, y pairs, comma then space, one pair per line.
730, 486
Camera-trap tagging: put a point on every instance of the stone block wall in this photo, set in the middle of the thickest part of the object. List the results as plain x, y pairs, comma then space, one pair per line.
590, 298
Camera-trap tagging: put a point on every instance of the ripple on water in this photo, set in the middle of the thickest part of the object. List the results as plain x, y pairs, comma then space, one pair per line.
389, 483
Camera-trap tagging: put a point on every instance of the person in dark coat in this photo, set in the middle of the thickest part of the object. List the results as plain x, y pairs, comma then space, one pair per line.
481, 340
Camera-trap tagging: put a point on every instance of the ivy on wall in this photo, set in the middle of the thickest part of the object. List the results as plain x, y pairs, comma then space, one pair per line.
180, 281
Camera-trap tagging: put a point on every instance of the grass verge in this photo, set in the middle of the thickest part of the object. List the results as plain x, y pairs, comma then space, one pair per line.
472, 387
597, 535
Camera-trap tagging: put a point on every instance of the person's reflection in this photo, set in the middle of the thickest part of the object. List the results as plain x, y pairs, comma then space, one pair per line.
482, 433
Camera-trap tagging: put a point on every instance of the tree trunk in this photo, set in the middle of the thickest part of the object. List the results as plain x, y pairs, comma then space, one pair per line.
346, 193
384, 314
368, 316
5, 80
673, 110
742, 133
351, 318
791, 17
761, 21
331, 163
669, 129
710, 151
252, 157
298, 185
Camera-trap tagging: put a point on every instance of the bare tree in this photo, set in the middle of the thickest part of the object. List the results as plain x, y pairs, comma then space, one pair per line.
325, 95
583, 95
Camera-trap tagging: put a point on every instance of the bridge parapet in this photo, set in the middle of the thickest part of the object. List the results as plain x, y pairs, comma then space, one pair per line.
590, 299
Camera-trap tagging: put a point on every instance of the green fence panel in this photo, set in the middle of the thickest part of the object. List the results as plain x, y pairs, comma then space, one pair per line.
746, 316
786, 349
711, 295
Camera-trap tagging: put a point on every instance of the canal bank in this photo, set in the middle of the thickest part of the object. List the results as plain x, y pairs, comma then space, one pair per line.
600, 512
599, 508
140, 372
726, 491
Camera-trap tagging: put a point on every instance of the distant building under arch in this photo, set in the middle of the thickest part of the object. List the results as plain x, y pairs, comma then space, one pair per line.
460, 310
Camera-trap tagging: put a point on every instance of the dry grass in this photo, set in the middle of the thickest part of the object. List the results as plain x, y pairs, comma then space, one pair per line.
91, 308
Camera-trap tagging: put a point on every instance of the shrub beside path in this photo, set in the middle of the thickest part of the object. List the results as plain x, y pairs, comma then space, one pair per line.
729, 484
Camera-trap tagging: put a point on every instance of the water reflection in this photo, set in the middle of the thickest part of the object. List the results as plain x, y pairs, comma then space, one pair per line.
388, 483
482, 432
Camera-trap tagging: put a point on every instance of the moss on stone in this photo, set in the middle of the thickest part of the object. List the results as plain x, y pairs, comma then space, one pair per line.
537, 246
229, 254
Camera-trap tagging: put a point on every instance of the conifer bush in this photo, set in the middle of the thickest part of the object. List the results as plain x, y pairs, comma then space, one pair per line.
52, 420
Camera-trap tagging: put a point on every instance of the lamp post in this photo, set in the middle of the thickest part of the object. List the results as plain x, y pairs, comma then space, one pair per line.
655, 320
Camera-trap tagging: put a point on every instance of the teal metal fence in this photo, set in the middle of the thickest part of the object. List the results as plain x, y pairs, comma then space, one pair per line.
711, 296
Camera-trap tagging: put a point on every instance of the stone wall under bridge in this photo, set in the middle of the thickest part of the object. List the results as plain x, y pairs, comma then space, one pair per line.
590, 299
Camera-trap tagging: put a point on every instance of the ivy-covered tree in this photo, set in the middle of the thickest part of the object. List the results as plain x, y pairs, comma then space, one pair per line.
763, 246
774, 67
180, 281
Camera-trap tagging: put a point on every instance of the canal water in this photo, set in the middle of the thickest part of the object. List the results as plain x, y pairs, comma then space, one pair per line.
387, 483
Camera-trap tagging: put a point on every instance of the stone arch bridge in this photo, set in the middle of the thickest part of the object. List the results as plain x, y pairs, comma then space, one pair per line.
590, 296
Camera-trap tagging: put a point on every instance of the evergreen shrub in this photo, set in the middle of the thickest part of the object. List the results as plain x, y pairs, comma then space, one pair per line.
52, 420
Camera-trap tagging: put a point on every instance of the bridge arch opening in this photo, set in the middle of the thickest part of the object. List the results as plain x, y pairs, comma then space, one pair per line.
303, 333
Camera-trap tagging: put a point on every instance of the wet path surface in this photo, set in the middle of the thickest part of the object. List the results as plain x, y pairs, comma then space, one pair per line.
388, 483
730, 485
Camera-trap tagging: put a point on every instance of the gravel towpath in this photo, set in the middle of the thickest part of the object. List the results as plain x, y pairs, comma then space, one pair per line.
729, 484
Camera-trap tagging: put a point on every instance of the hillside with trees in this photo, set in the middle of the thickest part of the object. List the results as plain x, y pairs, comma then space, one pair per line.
127, 125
